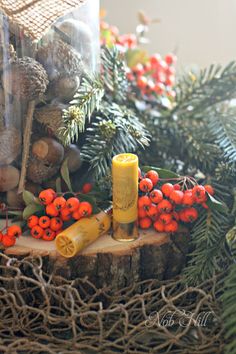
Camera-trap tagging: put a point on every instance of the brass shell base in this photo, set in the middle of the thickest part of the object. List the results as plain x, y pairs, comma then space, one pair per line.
125, 232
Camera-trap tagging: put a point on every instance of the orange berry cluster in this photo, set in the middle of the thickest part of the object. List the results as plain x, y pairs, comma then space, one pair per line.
58, 210
8, 238
168, 205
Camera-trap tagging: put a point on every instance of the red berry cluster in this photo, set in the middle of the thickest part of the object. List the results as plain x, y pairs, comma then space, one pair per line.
58, 210
110, 36
9, 235
166, 206
156, 77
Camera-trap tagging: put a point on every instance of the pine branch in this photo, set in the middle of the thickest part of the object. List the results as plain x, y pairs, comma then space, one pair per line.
114, 73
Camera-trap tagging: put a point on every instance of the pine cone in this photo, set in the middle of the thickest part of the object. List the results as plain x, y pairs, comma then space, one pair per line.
10, 145
25, 78
50, 117
38, 171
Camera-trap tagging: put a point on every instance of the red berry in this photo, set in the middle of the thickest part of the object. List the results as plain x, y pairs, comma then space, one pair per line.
138, 69
205, 206
51, 210
144, 202
145, 223
48, 235
170, 80
1, 236
141, 213
46, 197
14, 231
60, 203
167, 189
171, 227
191, 214
170, 59
199, 193
159, 88
170, 70
182, 215
37, 232
165, 218
156, 196
188, 198
159, 226
85, 209
56, 224
44, 222
65, 214
145, 185
8, 241
87, 187
32, 221
165, 206
177, 196
142, 82
73, 204
209, 189
177, 187
76, 215
153, 176
155, 59
152, 211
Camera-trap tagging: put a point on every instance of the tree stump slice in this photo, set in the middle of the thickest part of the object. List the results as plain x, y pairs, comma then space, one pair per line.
107, 262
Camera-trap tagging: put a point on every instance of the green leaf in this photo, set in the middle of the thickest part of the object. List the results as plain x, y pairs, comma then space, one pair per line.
15, 212
31, 209
29, 198
161, 171
136, 56
58, 185
66, 175
213, 203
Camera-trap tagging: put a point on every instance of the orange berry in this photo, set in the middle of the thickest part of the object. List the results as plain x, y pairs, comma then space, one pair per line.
191, 214
153, 176
159, 226
60, 203
48, 235
46, 197
152, 211
144, 202
209, 189
165, 206
65, 214
156, 196
182, 215
165, 218
76, 215
14, 231
167, 189
145, 185
87, 187
145, 223
205, 206
142, 213
199, 193
56, 224
1, 236
51, 210
176, 187
177, 196
188, 198
37, 232
8, 241
32, 221
44, 222
73, 204
85, 209
171, 227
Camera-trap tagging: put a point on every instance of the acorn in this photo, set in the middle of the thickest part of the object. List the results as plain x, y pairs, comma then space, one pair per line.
38, 171
63, 88
59, 58
9, 178
74, 160
25, 78
48, 150
10, 145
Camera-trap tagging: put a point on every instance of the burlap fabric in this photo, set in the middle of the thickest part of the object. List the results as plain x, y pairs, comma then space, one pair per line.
35, 17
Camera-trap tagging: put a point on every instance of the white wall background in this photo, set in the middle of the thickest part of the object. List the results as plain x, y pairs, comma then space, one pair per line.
203, 31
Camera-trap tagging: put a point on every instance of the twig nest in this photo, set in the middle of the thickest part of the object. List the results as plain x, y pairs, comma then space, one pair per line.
80, 36
10, 145
25, 78
9, 178
39, 171
48, 150
59, 58
63, 88
74, 160
50, 116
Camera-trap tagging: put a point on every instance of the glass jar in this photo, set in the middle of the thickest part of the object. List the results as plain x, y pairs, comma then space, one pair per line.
46, 47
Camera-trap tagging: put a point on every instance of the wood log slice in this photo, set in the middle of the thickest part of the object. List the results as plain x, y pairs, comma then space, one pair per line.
107, 262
